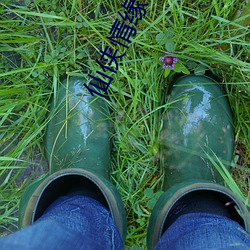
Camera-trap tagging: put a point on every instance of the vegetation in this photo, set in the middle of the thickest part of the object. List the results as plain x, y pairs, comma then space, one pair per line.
45, 41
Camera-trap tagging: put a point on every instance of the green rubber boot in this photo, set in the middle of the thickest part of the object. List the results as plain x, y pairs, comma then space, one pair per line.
78, 149
198, 122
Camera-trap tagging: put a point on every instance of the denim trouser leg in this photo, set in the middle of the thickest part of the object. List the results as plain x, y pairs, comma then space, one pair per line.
204, 231
76, 222
82, 223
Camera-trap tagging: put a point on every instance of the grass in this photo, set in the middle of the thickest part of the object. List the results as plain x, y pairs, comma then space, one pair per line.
44, 42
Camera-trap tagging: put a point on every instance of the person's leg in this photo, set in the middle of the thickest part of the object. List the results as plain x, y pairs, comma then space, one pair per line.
204, 231
71, 222
196, 138
78, 149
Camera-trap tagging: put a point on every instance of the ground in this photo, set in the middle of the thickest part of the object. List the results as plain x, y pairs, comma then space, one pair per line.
43, 42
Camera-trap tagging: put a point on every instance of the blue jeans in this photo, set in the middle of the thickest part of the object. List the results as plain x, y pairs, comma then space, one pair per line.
70, 223
204, 231
80, 222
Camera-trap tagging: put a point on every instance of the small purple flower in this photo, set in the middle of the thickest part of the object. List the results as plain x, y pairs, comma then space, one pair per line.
168, 61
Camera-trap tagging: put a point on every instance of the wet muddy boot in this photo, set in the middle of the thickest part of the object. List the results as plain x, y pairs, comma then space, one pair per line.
196, 126
78, 149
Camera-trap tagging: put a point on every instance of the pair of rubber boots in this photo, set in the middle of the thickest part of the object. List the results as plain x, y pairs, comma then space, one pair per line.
197, 127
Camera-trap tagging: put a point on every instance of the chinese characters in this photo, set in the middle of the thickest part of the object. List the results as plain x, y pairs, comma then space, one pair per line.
120, 33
